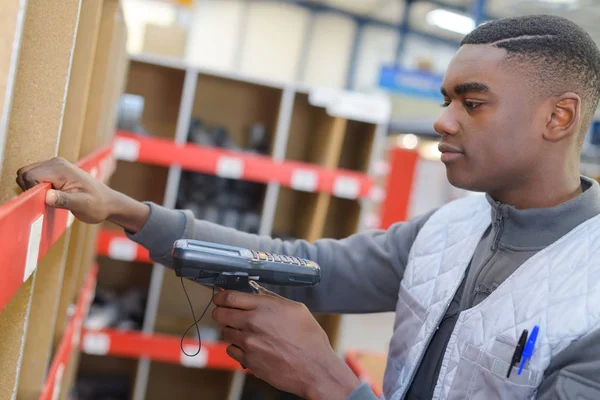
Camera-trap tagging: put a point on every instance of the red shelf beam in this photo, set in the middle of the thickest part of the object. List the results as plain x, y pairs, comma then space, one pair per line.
240, 165
354, 362
70, 339
28, 227
157, 347
117, 246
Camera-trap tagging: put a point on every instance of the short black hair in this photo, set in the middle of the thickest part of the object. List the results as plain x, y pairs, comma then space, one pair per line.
564, 57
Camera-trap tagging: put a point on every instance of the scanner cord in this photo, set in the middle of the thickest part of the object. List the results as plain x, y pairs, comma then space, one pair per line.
195, 320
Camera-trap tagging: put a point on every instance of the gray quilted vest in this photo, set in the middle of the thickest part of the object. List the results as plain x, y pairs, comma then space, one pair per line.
557, 289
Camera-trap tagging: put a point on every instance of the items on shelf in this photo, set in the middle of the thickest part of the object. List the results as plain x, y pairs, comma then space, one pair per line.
230, 202
111, 310
101, 387
129, 113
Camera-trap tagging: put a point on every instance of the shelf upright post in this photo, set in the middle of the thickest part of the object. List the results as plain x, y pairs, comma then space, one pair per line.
379, 144
282, 133
358, 34
479, 14
403, 31
171, 189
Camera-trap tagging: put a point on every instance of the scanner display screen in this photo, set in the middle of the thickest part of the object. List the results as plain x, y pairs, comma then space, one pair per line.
216, 250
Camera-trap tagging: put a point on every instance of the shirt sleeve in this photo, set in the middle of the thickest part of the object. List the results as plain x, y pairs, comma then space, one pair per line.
359, 274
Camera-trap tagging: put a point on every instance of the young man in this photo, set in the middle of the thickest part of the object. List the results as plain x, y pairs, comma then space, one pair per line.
466, 280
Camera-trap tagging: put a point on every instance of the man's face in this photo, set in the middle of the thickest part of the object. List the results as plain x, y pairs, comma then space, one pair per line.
491, 126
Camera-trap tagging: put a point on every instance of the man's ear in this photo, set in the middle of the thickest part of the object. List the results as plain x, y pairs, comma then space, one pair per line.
565, 117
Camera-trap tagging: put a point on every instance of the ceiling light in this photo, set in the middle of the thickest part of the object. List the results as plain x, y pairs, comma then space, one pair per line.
409, 141
451, 21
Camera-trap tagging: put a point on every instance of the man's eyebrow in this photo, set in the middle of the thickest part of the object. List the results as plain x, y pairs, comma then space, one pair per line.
469, 87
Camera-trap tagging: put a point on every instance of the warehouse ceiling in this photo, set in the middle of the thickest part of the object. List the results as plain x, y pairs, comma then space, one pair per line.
584, 12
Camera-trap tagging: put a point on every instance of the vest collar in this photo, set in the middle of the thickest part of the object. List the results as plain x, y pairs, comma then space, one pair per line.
540, 227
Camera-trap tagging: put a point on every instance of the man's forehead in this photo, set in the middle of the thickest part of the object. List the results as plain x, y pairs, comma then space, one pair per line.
475, 63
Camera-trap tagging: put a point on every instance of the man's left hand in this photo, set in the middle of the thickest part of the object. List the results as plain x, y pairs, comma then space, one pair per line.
282, 344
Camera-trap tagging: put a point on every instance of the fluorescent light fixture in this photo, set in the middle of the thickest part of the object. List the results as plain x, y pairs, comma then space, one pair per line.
450, 21
560, 2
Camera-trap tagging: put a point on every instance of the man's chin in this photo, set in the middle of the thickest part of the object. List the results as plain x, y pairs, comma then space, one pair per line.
465, 181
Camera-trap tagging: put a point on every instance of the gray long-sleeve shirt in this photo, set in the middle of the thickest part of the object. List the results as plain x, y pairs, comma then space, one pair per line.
362, 274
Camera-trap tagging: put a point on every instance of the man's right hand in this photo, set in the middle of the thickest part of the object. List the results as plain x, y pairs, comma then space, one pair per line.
90, 200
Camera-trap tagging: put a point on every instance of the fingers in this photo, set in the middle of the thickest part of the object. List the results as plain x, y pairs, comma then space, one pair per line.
21, 171
237, 319
52, 171
234, 299
233, 336
237, 354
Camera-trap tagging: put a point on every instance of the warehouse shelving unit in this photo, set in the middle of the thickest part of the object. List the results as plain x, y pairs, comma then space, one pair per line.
322, 147
49, 68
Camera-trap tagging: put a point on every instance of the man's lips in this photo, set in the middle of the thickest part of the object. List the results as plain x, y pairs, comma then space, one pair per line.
449, 152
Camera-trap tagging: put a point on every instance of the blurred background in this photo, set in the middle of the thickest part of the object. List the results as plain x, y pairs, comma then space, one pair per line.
332, 59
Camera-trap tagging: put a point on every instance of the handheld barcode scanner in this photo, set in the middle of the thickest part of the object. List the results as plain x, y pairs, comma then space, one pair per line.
232, 268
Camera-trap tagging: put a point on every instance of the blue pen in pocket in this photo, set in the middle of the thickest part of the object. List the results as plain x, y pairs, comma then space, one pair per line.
528, 350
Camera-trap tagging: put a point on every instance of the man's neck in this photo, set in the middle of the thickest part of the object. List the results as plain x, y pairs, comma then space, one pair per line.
541, 193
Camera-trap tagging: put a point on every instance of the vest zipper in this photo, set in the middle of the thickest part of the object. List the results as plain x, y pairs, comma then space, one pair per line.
499, 226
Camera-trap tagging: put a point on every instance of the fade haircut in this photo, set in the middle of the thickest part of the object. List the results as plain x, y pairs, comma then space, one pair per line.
556, 53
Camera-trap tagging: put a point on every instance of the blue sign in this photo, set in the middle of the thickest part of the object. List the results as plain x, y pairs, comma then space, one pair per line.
411, 82
595, 133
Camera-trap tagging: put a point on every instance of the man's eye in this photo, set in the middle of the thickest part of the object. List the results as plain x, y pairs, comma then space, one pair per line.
469, 105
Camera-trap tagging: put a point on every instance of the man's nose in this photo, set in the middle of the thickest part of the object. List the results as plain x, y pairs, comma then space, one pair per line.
446, 124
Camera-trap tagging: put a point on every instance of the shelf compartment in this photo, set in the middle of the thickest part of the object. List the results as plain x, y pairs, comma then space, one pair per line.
178, 382
236, 106
174, 315
342, 218
358, 146
161, 87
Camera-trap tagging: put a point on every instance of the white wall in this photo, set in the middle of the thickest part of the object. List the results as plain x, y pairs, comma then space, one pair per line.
273, 40
377, 47
137, 13
329, 51
214, 29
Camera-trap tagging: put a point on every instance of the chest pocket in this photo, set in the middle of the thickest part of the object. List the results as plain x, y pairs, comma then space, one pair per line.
481, 375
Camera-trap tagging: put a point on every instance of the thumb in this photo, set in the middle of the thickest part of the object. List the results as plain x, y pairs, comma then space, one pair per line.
58, 199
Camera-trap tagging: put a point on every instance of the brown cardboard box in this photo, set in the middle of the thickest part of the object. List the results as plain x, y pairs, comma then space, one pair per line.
164, 40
